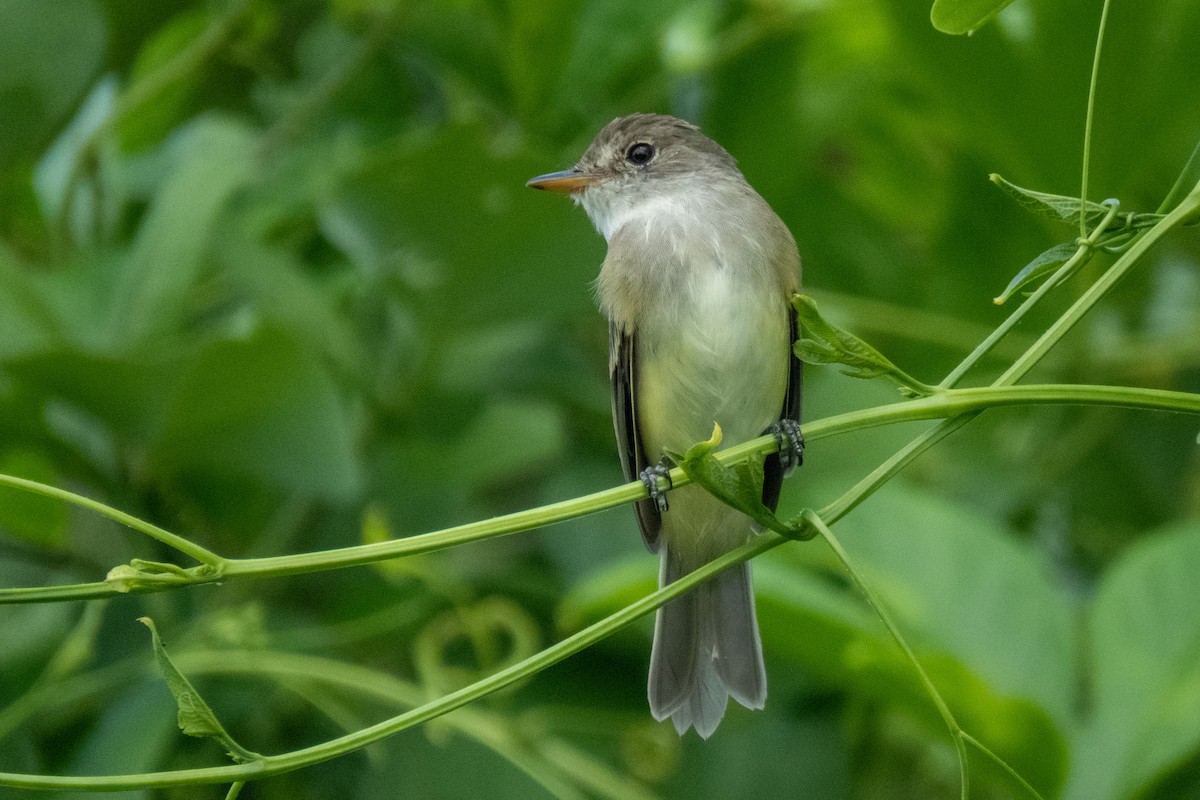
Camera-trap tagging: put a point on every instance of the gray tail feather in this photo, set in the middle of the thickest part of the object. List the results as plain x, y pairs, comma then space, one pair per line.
706, 650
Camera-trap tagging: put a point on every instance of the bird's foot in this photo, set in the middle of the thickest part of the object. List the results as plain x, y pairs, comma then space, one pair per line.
791, 443
650, 476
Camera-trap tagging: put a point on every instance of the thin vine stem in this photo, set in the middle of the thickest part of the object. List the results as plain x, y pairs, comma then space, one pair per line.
1086, 246
490, 729
274, 765
175, 541
343, 745
1087, 127
1000, 762
893, 465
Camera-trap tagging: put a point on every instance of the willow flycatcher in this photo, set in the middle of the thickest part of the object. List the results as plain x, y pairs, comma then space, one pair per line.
696, 287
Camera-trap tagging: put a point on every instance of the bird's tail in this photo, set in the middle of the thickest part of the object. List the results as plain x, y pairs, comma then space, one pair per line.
706, 649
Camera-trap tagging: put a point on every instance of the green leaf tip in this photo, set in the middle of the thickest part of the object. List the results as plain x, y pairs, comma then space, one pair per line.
1060, 208
701, 449
195, 717
821, 342
1066, 209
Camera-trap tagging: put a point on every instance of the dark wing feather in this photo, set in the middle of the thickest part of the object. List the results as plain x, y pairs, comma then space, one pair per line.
622, 367
772, 467
795, 387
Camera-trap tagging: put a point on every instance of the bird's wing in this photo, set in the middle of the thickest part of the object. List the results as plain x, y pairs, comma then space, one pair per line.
772, 466
622, 366
795, 384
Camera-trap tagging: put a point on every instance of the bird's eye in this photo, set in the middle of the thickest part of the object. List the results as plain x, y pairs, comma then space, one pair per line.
640, 153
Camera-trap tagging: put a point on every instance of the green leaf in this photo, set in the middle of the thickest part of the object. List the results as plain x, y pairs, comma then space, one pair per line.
824, 343
812, 621
195, 718
105, 395
389, 215
1144, 642
738, 488
487, 450
739, 485
1066, 209
609, 42
284, 293
133, 730
27, 322
1052, 206
1041, 267
32, 632
964, 16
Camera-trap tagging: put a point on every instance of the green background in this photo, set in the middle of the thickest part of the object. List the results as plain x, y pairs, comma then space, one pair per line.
270, 278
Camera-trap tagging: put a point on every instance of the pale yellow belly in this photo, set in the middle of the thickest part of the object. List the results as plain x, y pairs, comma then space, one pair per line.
726, 365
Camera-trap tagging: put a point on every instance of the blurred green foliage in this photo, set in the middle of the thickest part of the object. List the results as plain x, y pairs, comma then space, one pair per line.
271, 280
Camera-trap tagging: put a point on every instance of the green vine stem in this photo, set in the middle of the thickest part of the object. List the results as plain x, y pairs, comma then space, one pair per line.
1186, 209
148, 577
880, 611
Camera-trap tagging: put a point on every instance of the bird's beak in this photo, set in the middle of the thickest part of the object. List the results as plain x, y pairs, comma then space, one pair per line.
568, 181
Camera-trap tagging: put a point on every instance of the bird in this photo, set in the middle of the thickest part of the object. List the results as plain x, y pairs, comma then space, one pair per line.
696, 286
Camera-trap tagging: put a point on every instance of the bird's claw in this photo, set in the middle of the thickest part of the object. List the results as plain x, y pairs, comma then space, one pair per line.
791, 443
650, 476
